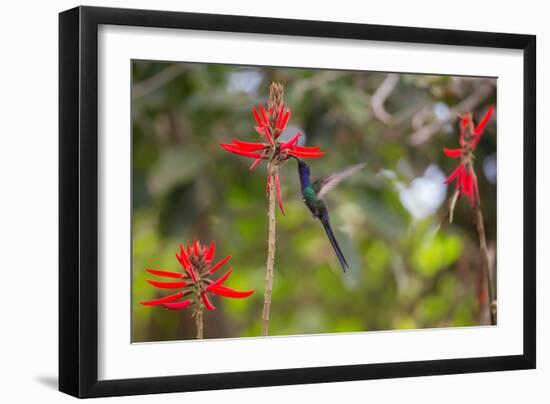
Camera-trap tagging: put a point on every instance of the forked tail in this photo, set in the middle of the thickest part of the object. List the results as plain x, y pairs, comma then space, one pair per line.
335, 246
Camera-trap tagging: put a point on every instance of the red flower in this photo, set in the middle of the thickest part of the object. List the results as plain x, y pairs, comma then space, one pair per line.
470, 135
195, 282
270, 124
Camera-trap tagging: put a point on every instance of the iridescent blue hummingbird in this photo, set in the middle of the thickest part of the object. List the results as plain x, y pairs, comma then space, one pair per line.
313, 192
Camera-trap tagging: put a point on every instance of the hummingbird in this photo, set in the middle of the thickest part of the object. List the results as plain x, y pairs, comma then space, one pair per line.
313, 193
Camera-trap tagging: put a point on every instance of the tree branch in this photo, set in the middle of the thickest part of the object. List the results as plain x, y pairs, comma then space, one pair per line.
469, 104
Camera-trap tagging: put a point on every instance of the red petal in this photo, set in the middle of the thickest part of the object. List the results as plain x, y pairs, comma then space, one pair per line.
475, 140
306, 148
207, 303
257, 117
196, 248
278, 188
219, 281
481, 126
228, 292
264, 131
235, 150
291, 142
192, 273
456, 172
164, 273
211, 251
259, 129
185, 263
280, 116
168, 285
268, 135
248, 146
470, 186
182, 258
165, 299
178, 305
459, 180
219, 265
465, 183
284, 121
255, 164
306, 154
452, 153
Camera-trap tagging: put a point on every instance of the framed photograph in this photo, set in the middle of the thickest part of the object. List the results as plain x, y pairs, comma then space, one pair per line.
251, 201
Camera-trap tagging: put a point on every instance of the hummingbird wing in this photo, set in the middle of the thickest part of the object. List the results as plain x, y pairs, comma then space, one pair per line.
323, 185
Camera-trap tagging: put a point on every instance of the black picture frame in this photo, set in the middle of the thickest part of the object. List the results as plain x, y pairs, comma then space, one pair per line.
78, 201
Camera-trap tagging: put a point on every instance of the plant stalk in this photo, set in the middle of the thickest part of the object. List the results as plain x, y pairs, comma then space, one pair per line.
272, 172
486, 264
199, 318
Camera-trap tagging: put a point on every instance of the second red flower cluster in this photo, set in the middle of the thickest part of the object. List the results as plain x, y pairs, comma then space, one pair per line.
195, 280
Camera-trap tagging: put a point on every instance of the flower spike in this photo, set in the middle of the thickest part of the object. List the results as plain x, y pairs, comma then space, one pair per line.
196, 261
270, 123
464, 173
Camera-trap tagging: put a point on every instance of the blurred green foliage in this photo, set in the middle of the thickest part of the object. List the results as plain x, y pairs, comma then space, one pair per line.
410, 268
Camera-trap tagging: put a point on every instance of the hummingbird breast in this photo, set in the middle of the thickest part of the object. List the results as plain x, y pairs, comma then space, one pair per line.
314, 204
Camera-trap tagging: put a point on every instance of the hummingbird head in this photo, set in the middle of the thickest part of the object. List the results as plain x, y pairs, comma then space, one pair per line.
302, 166
303, 171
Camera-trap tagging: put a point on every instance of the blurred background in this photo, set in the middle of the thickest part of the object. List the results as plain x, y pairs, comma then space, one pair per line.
410, 268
